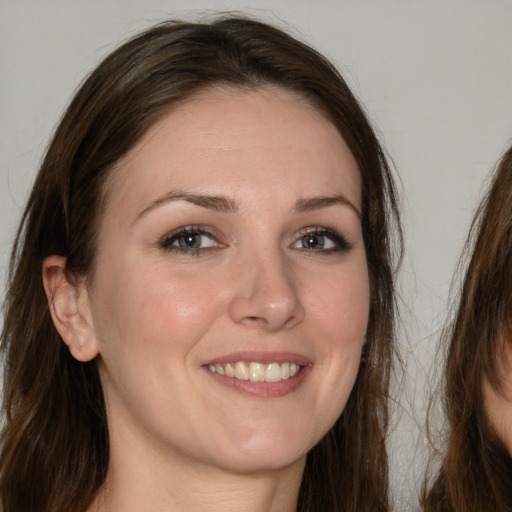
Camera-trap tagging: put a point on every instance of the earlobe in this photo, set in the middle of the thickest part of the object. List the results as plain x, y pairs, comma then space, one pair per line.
69, 307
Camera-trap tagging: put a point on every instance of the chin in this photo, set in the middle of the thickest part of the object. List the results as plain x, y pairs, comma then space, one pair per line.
262, 463
264, 455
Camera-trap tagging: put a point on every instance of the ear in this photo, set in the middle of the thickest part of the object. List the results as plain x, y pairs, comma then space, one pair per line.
70, 309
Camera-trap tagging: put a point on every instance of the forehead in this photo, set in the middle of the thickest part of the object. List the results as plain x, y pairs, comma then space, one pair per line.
232, 140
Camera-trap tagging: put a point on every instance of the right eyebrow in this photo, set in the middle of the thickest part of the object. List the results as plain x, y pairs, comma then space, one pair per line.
217, 203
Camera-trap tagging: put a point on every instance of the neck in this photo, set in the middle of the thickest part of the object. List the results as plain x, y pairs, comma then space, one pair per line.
150, 484
196, 492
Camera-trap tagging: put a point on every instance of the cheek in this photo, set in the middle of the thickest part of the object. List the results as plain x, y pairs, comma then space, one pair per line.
154, 309
341, 305
336, 301
341, 311
148, 324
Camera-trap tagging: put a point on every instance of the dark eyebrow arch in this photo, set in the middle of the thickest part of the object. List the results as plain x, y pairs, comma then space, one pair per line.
316, 203
217, 203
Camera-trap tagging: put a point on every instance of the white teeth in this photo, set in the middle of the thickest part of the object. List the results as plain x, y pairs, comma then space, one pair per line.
241, 371
273, 372
230, 370
257, 372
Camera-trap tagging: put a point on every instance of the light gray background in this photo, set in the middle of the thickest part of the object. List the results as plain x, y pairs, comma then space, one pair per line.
435, 77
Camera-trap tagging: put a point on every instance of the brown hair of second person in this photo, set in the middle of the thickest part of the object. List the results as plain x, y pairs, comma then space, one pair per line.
476, 467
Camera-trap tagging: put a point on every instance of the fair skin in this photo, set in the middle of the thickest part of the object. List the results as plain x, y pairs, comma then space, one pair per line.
498, 401
231, 241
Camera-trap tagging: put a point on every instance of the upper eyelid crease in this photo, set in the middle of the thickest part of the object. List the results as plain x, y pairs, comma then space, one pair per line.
184, 230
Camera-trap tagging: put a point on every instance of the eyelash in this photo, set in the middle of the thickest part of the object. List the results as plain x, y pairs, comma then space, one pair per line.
166, 243
169, 239
341, 244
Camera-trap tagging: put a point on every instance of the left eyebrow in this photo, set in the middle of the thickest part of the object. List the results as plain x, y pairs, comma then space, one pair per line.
316, 203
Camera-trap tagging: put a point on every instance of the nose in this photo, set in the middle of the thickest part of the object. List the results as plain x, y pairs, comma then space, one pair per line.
266, 294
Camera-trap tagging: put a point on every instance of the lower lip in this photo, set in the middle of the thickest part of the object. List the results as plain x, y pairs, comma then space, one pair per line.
263, 389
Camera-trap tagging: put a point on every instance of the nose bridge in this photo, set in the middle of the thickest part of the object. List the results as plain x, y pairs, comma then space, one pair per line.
267, 294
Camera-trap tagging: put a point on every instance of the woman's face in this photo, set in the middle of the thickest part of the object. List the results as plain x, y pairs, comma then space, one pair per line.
230, 298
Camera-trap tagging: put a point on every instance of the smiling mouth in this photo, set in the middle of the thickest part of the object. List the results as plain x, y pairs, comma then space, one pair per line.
257, 372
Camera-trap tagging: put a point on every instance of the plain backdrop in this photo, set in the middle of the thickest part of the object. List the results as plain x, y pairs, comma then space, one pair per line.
435, 78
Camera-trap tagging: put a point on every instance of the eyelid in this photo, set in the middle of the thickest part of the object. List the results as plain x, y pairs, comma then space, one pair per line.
341, 242
166, 241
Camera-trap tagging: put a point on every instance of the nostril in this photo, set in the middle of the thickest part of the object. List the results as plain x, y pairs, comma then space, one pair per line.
258, 320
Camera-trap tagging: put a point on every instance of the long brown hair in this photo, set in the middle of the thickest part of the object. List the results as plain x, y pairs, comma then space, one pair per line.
476, 471
55, 448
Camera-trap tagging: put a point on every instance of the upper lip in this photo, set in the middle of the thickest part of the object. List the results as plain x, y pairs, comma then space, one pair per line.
261, 357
